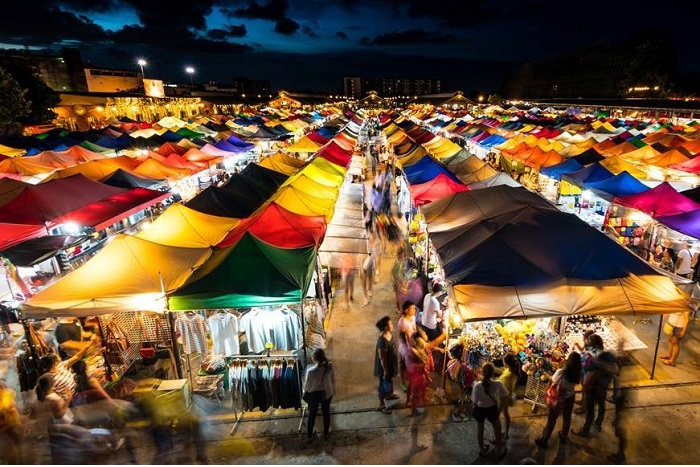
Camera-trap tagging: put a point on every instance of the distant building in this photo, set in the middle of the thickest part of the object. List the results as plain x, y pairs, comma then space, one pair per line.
597, 72
392, 87
252, 86
450, 100
294, 100
109, 80
62, 72
352, 88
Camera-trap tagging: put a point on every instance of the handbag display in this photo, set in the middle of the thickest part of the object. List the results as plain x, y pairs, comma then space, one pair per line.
117, 343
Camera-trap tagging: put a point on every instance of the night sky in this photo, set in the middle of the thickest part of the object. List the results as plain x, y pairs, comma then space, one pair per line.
312, 44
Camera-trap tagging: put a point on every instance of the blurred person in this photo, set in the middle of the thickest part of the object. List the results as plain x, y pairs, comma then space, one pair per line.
386, 363
620, 396
485, 394
11, 428
64, 382
684, 260
668, 260
419, 363
604, 367
367, 275
320, 384
509, 378
347, 274
433, 313
567, 378
406, 328
70, 336
677, 324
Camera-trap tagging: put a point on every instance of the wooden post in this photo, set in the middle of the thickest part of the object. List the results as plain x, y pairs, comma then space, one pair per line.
656, 350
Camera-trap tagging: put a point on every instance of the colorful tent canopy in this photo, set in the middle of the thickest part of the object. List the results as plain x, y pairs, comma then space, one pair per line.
12, 234
633, 294
244, 193
279, 227
501, 178
282, 163
105, 212
434, 189
685, 222
305, 144
123, 179
592, 173
250, 273
34, 251
556, 171
40, 204
529, 246
183, 227
427, 169
10, 189
151, 168
128, 274
621, 184
660, 201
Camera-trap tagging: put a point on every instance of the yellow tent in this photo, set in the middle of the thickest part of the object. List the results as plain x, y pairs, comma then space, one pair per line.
642, 154
128, 274
633, 294
305, 144
30, 171
11, 152
310, 186
414, 156
321, 171
151, 168
99, 169
617, 164
183, 227
297, 201
282, 163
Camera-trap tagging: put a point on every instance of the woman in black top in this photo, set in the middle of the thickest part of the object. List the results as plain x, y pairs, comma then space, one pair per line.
386, 363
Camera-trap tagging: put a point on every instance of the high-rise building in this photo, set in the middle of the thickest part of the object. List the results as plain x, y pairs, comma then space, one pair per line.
392, 87
62, 72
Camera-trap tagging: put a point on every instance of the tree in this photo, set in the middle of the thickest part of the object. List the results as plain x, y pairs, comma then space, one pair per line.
652, 63
13, 103
41, 97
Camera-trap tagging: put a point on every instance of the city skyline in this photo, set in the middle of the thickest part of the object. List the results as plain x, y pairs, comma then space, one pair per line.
314, 44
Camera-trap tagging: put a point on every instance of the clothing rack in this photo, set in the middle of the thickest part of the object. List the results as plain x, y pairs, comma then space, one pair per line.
292, 354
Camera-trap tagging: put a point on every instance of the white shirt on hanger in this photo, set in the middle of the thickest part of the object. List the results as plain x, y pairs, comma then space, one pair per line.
224, 333
192, 329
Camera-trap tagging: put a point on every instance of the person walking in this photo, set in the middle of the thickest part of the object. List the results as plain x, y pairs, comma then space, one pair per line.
433, 314
320, 385
566, 378
367, 277
676, 326
386, 363
406, 328
485, 395
509, 378
683, 266
604, 367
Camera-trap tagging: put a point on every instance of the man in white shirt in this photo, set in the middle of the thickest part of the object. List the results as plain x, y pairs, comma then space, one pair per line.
432, 313
683, 263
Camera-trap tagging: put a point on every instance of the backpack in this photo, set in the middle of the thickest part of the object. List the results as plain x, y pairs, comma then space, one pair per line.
554, 395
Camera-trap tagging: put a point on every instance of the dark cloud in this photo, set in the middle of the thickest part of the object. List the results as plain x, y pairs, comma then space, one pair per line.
341, 35
229, 31
273, 10
29, 24
286, 26
410, 36
88, 5
185, 41
172, 16
309, 31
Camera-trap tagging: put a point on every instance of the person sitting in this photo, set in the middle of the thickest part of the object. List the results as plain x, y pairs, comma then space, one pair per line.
64, 383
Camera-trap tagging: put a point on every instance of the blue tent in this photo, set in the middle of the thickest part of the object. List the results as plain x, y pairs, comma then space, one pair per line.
236, 141
427, 169
226, 146
508, 240
492, 141
620, 185
556, 171
592, 173
589, 156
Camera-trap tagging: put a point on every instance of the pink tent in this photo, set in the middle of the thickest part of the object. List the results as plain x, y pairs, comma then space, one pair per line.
662, 200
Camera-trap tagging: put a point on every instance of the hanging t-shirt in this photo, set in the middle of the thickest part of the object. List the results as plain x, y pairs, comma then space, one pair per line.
281, 327
224, 333
192, 329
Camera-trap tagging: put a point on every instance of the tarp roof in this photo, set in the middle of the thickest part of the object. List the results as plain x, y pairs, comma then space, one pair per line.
34, 251
427, 169
501, 178
305, 144
621, 184
12, 234
242, 195
10, 189
151, 168
279, 227
434, 189
123, 179
124, 276
530, 246
589, 156
556, 171
662, 200
592, 173
181, 226
250, 273
282, 163
39, 204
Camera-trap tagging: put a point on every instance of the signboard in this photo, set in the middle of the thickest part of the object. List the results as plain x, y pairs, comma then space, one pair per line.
153, 88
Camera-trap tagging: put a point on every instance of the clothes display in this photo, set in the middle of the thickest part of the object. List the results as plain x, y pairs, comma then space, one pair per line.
192, 329
224, 333
279, 326
262, 384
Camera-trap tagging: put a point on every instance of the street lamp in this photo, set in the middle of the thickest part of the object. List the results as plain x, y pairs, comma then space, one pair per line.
142, 63
190, 71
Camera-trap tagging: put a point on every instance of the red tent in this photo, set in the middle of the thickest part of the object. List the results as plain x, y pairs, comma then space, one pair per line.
39, 204
435, 189
169, 148
12, 234
335, 154
317, 138
103, 213
691, 165
279, 227
662, 200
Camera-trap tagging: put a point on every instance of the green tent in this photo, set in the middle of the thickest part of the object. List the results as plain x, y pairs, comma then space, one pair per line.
95, 147
250, 273
637, 142
189, 134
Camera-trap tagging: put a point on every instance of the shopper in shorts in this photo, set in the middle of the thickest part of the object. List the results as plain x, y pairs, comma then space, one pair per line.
485, 396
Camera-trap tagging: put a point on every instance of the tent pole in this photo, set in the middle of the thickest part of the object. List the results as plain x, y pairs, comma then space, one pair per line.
656, 350
173, 336
303, 326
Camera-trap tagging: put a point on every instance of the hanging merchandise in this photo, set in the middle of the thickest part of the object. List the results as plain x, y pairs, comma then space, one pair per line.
223, 327
116, 343
279, 326
265, 383
192, 329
